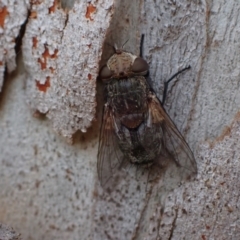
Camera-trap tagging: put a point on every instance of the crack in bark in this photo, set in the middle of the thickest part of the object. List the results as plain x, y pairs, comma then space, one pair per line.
65, 23
136, 232
21, 34
173, 225
159, 222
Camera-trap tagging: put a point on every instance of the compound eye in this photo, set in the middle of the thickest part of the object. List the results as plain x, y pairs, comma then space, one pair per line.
140, 66
105, 73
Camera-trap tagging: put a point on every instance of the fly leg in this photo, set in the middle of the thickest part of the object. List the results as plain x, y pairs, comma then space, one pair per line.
141, 46
169, 80
141, 53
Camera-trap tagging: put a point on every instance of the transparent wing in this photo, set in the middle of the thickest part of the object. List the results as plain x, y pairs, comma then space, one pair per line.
174, 145
110, 156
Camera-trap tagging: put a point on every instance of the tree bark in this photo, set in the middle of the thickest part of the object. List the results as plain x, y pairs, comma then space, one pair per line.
7, 233
49, 188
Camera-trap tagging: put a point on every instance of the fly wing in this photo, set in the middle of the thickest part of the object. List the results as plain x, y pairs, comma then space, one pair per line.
110, 156
174, 145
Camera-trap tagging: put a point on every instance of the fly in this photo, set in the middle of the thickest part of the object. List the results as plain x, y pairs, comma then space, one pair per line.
135, 127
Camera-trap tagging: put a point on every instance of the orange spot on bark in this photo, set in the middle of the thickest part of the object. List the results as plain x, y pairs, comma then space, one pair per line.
90, 10
33, 15
35, 41
53, 7
52, 69
1, 63
89, 76
43, 63
46, 55
43, 86
3, 14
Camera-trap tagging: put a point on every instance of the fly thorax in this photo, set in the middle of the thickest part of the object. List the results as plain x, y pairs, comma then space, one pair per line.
121, 63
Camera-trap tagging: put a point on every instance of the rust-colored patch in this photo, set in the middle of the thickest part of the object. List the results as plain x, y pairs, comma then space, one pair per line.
43, 86
208, 227
35, 42
33, 15
52, 69
226, 132
1, 63
203, 237
45, 55
89, 76
42, 63
90, 10
53, 7
3, 13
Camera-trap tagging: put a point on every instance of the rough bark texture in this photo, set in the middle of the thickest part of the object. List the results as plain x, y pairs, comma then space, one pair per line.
61, 52
7, 233
12, 16
50, 190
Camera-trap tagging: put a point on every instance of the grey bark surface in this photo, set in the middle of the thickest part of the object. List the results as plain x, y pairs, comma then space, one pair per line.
12, 16
50, 189
7, 233
61, 53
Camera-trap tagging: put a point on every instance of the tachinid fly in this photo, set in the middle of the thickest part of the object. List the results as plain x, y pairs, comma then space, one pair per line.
135, 127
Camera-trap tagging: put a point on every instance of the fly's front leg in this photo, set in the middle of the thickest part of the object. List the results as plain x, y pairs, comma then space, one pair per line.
169, 80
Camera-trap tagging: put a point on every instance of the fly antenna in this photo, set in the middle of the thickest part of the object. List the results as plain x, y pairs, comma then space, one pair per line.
125, 43
141, 45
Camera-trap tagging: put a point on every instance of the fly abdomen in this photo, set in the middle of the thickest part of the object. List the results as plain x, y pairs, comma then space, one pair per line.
138, 154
